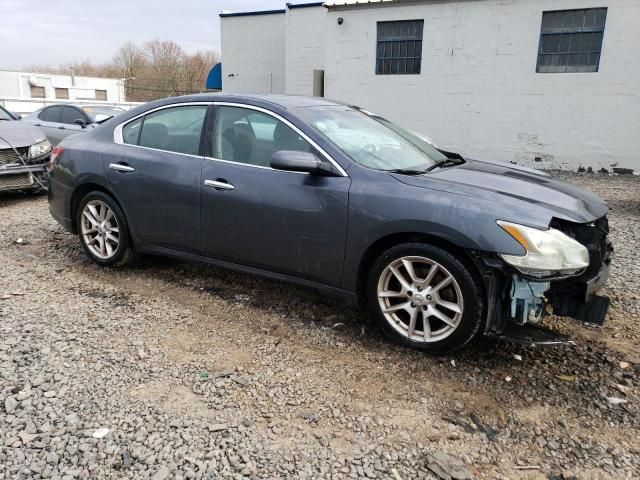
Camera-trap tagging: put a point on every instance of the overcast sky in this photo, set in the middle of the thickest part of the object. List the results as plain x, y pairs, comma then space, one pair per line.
51, 32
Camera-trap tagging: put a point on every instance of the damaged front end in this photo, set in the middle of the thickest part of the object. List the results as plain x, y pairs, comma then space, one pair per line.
522, 292
24, 168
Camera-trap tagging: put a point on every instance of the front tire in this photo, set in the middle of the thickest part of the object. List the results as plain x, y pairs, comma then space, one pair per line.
103, 230
424, 297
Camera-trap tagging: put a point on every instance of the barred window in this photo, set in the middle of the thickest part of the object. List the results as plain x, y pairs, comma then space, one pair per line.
62, 93
37, 92
399, 48
571, 40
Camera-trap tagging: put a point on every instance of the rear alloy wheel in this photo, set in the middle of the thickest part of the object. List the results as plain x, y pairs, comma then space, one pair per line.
103, 230
424, 297
99, 228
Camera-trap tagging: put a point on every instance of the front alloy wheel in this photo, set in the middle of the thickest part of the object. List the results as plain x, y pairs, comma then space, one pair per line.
425, 297
420, 299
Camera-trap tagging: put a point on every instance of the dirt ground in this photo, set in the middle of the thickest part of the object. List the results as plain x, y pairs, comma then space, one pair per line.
201, 373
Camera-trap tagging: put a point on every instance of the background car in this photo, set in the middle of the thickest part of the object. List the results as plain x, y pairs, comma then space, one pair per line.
24, 153
440, 248
60, 121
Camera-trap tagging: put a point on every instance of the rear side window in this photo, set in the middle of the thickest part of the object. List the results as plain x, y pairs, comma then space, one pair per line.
51, 114
131, 132
176, 129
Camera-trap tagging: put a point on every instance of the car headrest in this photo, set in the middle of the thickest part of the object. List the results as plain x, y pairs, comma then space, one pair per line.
154, 135
285, 138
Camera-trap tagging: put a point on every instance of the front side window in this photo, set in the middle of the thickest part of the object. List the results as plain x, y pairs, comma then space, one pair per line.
571, 40
175, 129
248, 136
399, 47
371, 140
69, 115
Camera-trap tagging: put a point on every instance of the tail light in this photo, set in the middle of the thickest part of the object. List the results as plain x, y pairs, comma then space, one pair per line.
56, 153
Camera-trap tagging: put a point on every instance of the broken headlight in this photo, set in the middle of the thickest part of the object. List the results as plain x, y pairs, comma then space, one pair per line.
38, 149
549, 253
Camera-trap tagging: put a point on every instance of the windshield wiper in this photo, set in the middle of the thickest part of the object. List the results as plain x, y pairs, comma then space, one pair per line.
409, 171
100, 122
447, 162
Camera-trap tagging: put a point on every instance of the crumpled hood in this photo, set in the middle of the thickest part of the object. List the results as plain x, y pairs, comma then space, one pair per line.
19, 134
514, 185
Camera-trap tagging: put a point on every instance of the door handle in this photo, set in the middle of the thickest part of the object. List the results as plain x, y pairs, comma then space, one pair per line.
62, 128
219, 184
37, 124
121, 168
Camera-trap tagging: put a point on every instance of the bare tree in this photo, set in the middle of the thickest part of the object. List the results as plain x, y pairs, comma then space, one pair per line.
131, 62
158, 69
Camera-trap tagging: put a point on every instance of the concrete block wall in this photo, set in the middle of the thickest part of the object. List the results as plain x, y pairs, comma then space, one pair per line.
253, 53
479, 92
305, 47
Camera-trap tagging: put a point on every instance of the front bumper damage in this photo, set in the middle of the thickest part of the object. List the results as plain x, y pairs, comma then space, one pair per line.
519, 305
17, 176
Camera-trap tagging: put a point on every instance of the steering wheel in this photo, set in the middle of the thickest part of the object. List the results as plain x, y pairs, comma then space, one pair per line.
370, 148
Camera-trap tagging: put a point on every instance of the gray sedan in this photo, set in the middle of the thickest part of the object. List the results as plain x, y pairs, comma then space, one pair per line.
440, 248
60, 121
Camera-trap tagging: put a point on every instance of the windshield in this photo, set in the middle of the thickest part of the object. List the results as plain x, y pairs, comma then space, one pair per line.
371, 140
4, 115
100, 113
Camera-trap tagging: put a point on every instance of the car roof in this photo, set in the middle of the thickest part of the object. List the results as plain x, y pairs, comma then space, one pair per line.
283, 101
99, 106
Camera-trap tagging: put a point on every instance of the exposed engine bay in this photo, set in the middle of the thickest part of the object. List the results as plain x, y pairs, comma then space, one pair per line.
524, 301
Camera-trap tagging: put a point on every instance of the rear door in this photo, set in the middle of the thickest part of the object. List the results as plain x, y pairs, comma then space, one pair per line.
48, 120
154, 169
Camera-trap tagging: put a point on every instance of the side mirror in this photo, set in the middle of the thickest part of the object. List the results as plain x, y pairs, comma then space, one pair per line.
79, 121
294, 161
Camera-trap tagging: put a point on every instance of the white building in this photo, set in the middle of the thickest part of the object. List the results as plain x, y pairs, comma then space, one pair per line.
24, 92
548, 83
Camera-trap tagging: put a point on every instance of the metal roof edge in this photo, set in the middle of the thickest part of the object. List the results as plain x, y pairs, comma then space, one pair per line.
248, 14
292, 6
352, 4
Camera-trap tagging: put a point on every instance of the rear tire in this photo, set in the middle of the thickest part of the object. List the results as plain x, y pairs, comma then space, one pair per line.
103, 230
425, 298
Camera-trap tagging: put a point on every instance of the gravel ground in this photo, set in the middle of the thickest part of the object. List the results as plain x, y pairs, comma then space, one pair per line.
173, 370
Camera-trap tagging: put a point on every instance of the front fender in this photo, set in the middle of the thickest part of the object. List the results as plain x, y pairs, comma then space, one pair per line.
385, 208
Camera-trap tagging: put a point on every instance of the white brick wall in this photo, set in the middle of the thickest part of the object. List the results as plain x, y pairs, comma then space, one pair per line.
253, 53
479, 93
305, 48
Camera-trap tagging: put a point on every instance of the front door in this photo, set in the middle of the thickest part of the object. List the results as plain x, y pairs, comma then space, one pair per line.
285, 222
67, 125
154, 170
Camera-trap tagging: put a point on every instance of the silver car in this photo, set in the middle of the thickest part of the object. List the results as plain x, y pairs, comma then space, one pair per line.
60, 121
24, 154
